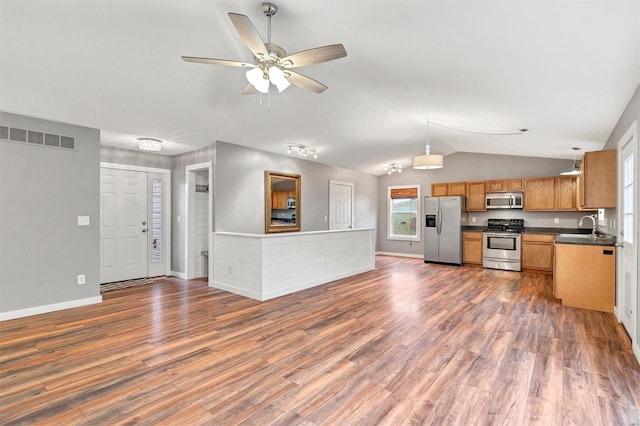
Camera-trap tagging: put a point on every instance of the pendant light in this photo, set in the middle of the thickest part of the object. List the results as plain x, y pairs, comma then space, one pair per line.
574, 170
428, 161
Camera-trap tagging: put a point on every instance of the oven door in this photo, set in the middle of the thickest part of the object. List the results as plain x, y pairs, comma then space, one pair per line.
502, 246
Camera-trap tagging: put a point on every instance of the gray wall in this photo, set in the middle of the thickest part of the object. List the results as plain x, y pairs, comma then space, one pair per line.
42, 191
134, 158
239, 189
465, 167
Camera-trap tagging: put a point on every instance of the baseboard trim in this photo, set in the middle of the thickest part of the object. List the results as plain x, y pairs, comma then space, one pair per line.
388, 253
37, 310
178, 274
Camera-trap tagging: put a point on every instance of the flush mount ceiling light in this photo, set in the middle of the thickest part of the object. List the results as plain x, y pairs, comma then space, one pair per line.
393, 168
303, 150
149, 144
428, 161
574, 170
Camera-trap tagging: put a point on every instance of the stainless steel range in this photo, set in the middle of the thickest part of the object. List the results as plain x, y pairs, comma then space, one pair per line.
501, 243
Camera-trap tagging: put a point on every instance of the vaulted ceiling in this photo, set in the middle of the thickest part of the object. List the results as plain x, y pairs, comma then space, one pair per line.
563, 69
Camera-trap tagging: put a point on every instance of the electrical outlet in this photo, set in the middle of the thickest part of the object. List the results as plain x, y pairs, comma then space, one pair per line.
325, 218
178, 218
556, 220
81, 279
84, 221
473, 219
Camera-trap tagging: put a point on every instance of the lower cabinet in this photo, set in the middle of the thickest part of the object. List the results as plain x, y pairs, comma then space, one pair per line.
537, 252
472, 247
584, 276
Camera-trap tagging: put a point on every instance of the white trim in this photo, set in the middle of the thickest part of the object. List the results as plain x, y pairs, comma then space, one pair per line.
389, 253
166, 207
178, 274
353, 189
20, 313
636, 350
409, 238
190, 209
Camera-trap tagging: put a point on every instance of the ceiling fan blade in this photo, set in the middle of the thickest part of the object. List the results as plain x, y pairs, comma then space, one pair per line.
305, 82
314, 56
217, 62
249, 89
249, 34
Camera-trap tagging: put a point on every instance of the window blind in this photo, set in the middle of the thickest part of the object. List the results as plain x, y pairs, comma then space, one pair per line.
404, 193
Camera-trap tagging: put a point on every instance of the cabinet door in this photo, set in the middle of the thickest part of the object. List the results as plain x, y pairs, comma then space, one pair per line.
539, 194
476, 196
513, 184
566, 193
472, 247
598, 179
537, 251
438, 189
457, 188
494, 185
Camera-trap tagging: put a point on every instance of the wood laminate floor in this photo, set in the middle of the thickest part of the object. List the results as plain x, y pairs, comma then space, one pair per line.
408, 343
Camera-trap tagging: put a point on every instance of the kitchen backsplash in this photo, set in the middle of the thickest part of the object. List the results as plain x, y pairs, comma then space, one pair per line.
531, 219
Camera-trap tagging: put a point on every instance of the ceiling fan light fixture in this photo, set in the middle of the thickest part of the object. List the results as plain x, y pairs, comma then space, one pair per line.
149, 144
255, 76
278, 78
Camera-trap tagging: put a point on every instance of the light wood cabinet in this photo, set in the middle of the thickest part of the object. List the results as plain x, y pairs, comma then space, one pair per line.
438, 189
476, 196
448, 189
584, 276
503, 185
279, 199
566, 193
539, 194
537, 252
472, 247
597, 183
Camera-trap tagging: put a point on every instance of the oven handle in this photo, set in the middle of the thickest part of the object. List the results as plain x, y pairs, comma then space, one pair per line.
438, 221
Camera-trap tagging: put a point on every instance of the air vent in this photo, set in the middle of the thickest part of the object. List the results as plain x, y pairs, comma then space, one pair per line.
36, 138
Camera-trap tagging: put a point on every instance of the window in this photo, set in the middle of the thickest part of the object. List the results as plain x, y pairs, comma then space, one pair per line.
627, 193
404, 213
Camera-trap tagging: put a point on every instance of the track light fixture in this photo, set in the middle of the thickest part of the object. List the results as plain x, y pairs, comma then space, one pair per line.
303, 150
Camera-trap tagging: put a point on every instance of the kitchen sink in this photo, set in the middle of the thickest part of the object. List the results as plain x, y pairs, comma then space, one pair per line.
585, 239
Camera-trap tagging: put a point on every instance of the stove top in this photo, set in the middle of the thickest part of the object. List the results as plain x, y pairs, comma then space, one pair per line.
505, 225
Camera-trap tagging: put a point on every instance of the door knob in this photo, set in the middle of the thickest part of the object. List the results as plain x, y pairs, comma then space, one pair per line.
144, 222
621, 244
144, 230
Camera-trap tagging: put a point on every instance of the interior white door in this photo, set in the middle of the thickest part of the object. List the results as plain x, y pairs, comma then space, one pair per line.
340, 205
628, 228
123, 225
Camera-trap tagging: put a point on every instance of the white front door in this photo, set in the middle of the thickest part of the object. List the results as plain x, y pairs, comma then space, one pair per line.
123, 225
627, 282
340, 205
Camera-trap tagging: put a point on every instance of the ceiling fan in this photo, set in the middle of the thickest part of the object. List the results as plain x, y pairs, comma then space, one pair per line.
271, 63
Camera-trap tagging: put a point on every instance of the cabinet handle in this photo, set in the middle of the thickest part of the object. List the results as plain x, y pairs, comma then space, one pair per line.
607, 252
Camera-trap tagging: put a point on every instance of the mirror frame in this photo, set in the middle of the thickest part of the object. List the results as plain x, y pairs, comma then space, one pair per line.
268, 202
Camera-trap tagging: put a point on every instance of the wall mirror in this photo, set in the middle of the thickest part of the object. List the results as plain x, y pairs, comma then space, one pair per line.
282, 202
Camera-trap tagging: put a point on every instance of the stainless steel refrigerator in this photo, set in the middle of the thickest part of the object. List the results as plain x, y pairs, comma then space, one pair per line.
443, 229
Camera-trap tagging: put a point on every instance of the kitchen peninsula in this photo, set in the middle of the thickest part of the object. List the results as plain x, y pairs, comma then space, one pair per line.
265, 266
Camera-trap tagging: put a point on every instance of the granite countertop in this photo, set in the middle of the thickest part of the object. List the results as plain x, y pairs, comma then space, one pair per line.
555, 231
586, 239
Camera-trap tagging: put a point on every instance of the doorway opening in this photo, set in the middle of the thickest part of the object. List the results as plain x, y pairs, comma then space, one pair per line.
199, 216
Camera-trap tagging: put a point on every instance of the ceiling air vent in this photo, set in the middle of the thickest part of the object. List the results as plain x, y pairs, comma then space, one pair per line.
37, 138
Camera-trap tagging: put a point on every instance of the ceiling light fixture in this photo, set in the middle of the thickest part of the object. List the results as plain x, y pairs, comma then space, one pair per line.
393, 168
149, 144
428, 161
303, 150
574, 170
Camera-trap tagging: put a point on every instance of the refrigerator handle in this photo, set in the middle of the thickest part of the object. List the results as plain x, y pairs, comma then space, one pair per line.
438, 221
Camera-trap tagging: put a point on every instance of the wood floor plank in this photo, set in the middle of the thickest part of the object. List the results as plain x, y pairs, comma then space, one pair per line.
407, 343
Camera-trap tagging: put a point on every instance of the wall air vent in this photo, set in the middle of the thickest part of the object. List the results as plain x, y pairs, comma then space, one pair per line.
36, 138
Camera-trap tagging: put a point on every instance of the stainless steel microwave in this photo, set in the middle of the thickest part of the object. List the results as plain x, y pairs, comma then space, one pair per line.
504, 200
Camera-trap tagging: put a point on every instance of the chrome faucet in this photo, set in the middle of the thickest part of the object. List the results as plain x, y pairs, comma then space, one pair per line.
595, 223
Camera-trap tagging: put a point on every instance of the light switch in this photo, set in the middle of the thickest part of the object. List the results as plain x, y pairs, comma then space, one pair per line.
556, 220
84, 221
473, 219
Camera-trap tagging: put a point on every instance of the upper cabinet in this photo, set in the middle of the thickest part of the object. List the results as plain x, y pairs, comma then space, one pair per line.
503, 185
476, 196
597, 184
446, 189
540, 194
566, 193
